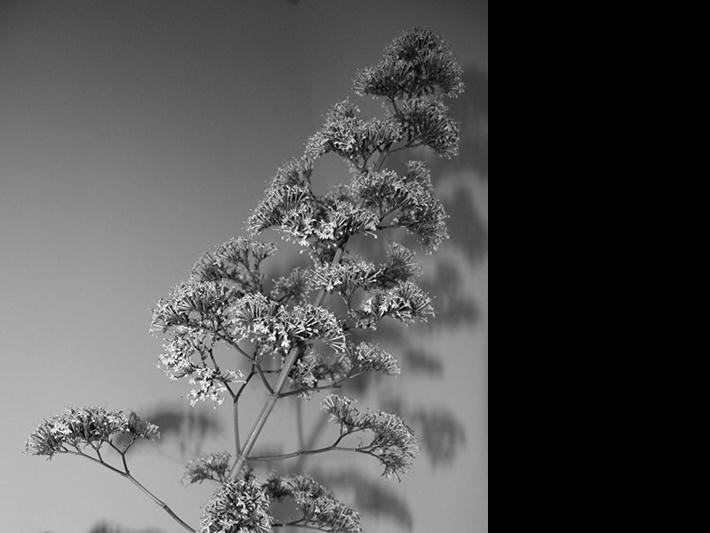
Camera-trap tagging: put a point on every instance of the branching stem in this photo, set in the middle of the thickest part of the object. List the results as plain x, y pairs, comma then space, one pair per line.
271, 399
126, 474
263, 378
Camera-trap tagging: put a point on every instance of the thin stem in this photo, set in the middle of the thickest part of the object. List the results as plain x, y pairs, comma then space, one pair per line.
263, 378
333, 385
388, 226
299, 425
94, 459
296, 392
394, 105
299, 524
244, 385
235, 409
237, 442
291, 455
122, 453
332, 447
160, 503
219, 372
215, 331
133, 480
319, 427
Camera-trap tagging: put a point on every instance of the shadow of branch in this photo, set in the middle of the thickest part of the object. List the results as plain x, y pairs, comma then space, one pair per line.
105, 527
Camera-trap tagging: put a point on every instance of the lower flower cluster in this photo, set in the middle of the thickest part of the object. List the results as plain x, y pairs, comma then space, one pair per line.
87, 426
238, 507
244, 506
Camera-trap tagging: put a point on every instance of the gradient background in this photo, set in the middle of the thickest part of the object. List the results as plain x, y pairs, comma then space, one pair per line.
136, 134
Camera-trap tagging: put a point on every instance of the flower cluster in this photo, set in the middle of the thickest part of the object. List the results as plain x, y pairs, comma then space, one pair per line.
427, 122
238, 507
368, 357
281, 203
393, 443
296, 286
211, 384
213, 467
400, 266
352, 137
310, 221
310, 322
418, 63
296, 173
346, 277
351, 275
318, 505
409, 200
89, 426
185, 355
192, 319
405, 301
194, 304
260, 319
237, 260
317, 369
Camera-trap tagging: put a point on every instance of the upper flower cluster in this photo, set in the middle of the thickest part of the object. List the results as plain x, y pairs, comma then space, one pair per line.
237, 260
418, 63
321, 223
404, 201
352, 137
260, 319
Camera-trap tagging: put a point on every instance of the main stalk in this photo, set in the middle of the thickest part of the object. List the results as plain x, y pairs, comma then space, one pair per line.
271, 399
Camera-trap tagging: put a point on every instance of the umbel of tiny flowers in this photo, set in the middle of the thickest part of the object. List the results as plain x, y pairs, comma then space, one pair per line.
78, 429
283, 332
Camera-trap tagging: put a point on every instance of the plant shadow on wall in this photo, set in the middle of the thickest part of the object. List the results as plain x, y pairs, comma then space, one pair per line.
441, 433
105, 527
185, 428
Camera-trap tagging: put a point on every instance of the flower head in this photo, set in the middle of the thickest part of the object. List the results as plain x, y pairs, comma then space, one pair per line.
417, 63
77, 428
238, 507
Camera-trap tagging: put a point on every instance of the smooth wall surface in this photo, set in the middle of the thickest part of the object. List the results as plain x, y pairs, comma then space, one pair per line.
134, 135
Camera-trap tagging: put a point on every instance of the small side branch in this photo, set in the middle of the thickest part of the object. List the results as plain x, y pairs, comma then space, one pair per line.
219, 372
271, 400
333, 385
301, 523
263, 378
300, 453
296, 392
